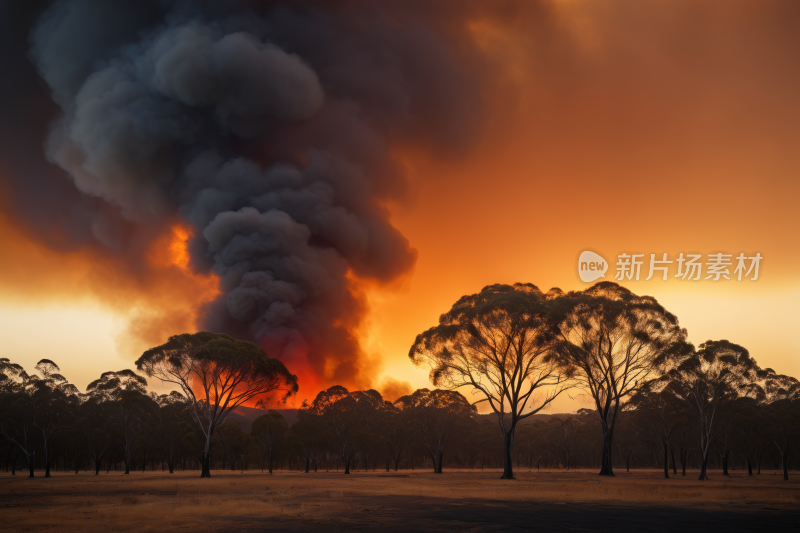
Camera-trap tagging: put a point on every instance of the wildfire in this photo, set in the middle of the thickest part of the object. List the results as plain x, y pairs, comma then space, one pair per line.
178, 246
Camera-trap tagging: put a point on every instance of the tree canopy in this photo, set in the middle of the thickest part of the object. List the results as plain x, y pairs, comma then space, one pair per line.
217, 373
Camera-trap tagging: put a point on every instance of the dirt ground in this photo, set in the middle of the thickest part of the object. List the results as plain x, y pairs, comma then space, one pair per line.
403, 501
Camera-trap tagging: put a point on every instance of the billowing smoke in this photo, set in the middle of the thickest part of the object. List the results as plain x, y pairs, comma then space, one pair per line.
267, 128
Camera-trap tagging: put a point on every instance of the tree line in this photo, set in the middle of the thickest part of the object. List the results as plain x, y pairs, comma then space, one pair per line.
656, 400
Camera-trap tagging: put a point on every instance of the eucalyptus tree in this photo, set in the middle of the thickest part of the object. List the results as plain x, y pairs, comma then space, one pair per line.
664, 413
346, 415
706, 380
97, 430
217, 373
170, 427
17, 411
125, 393
270, 431
54, 402
613, 342
499, 343
782, 406
440, 416
309, 434
397, 429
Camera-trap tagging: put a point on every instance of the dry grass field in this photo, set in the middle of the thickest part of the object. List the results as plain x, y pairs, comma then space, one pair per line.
404, 501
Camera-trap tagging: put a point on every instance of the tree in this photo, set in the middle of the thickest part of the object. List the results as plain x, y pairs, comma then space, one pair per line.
54, 403
270, 431
706, 379
17, 411
397, 431
125, 392
346, 415
36, 405
663, 413
170, 429
440, 415
499, 343
225, 372
613, 342
309, 434
96, 429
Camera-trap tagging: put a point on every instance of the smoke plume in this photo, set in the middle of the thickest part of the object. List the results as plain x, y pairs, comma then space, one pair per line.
269, 131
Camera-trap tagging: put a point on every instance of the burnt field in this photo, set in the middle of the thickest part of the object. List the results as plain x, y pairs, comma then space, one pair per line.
408, 500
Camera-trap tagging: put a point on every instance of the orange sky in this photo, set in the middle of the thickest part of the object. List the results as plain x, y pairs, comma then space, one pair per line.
640, 127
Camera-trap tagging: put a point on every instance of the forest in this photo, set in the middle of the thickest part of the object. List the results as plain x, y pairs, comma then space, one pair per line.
654, 401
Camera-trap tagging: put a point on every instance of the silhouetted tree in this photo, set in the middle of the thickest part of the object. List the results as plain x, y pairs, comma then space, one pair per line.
613, 342
440, 415
270, 432
226, 373
125, 392
707, 379
499, 343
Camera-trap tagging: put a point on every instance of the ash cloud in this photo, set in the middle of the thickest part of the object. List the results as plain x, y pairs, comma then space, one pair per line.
269, 129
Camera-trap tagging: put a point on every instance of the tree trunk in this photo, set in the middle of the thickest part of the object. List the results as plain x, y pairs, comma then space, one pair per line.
684, 455
30, 467
703, 467
347, 467
725, 457
77, 461
46, 460
439, 466
606, 468
307, 464
674, 464
508, 454
666, 460
271, 463
785, 465
205, 461
749, 467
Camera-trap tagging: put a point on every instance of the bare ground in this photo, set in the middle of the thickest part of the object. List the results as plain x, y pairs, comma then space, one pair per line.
404, 501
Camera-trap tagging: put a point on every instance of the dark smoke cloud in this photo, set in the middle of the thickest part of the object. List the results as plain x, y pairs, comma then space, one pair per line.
269, 128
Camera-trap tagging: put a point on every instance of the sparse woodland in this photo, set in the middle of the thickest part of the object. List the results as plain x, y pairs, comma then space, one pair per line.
709, 408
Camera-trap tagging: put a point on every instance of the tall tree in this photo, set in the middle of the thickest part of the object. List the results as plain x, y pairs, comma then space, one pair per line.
707, 379
217, 373
614, 342
55, 402
497, 342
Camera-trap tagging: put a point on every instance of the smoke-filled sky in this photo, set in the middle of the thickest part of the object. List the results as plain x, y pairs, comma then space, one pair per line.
326, 178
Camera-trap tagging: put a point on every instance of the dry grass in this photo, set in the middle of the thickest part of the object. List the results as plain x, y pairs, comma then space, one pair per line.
231, 501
